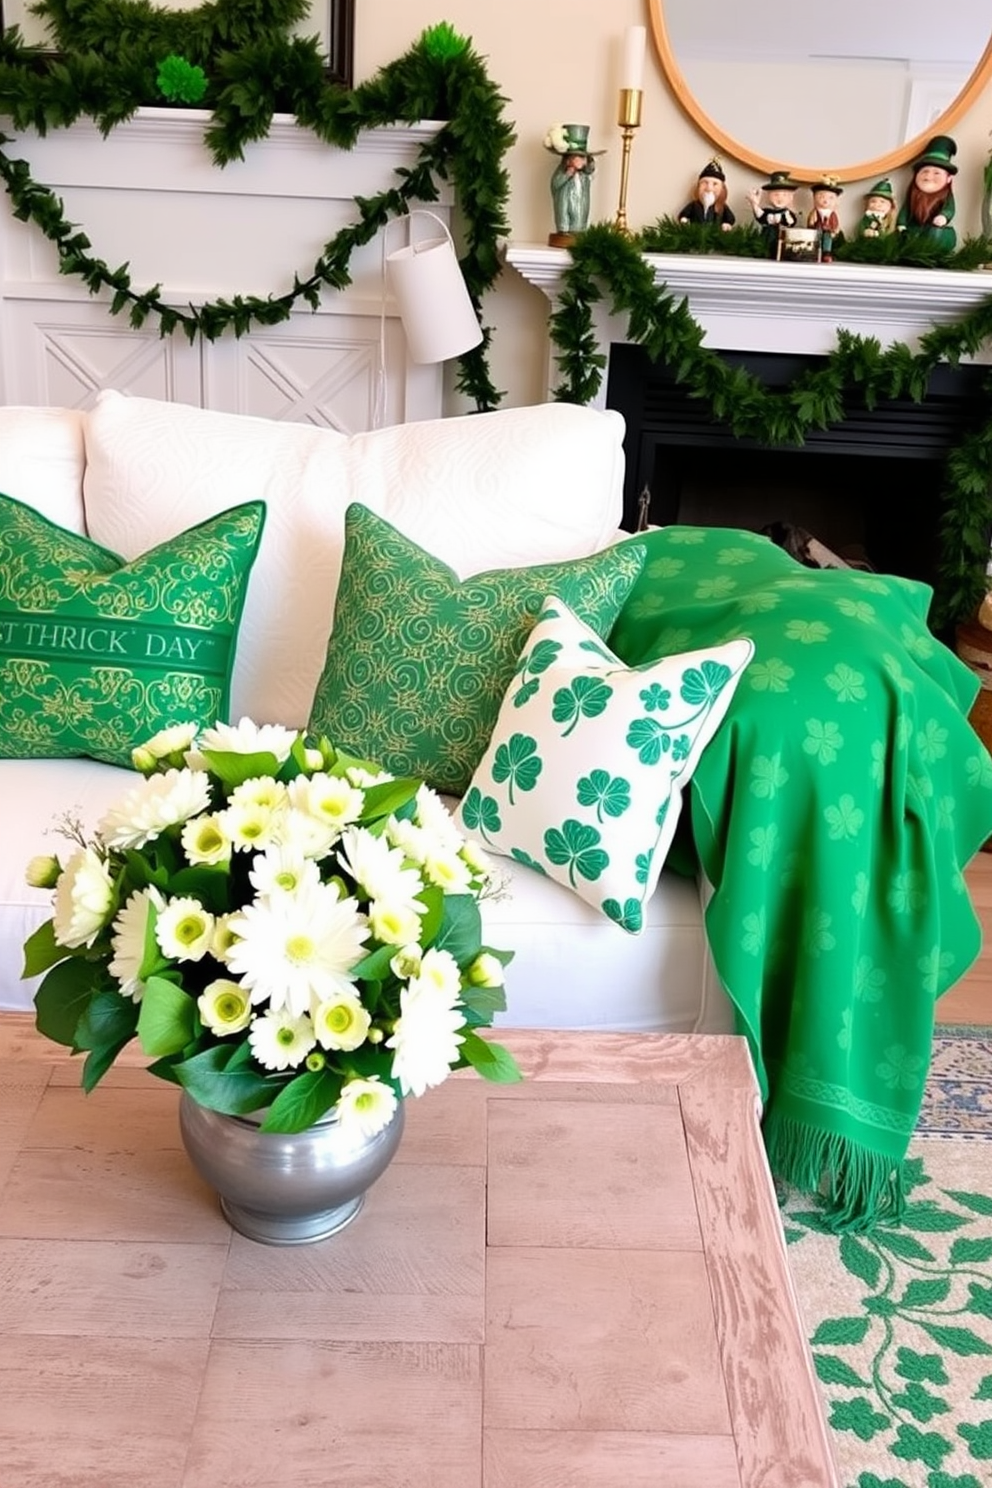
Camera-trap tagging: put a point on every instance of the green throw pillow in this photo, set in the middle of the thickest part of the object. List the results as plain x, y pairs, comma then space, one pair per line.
584, 773
97, 653
418, 660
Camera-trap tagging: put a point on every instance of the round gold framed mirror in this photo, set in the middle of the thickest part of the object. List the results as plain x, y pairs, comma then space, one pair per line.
855, 87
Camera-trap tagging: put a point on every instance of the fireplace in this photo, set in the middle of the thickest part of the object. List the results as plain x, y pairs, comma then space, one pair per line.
770, 314
867, 487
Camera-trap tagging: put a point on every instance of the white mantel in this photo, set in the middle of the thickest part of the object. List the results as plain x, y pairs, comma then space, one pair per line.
150, 196
746, 304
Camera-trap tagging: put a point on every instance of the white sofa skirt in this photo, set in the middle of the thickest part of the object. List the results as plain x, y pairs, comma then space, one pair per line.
573, 968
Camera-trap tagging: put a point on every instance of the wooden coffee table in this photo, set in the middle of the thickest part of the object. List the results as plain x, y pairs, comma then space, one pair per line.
576, 1282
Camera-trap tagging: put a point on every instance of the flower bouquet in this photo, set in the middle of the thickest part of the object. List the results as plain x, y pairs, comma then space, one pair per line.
284, 928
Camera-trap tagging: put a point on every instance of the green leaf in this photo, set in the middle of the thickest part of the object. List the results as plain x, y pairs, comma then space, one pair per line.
484, 1002
490, 1060
303, 1101
42, 950
461, 928
109, 1018
976, 1202
926, 1293
903, 1246
167, 1019
833, 1371
231, 1091
964, 1252
860, 1260
576, 845
388, 798
62, 999
961, 1341
234, 769
845, 1330
929, 1219
586, 697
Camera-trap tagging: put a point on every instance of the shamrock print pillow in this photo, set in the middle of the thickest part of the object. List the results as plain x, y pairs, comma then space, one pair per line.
585, 768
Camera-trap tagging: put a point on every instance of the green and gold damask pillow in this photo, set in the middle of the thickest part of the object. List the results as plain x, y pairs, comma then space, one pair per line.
418, 660
97, 653
583, 775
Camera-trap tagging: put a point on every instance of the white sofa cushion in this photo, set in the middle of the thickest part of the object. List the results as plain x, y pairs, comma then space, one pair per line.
483, 491
41, 462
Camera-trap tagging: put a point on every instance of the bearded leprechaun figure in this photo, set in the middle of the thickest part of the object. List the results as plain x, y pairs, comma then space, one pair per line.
929, 205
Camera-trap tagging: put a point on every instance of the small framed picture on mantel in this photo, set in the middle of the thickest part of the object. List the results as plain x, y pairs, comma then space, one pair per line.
331, 21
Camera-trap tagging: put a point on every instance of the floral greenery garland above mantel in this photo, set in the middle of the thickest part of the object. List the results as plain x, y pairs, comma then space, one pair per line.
238, 58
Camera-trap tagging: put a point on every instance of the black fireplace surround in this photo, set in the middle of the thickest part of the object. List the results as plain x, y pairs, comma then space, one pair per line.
868, 487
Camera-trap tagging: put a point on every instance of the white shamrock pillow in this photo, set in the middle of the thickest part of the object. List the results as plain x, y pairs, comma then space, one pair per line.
584, 772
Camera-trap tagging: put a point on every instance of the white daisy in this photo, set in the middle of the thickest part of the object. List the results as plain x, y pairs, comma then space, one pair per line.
412, 840
205, 840
250, 825
378, 868
295, 950
434, 816
439, 973
446, 867
168, 744
425, 1039
341, 1023
83, 898
282, 869
129, 937
329, 799
156, 802
279, 1040
366, 1105
184, 929
247, 737
260, 790
358, 775
393, 924
475, 855
224, 1007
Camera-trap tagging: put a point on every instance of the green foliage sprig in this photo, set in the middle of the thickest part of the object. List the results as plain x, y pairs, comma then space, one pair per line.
110, 56
858, 371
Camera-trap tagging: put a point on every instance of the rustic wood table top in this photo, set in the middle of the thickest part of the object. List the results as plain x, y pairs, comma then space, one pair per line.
579, 1280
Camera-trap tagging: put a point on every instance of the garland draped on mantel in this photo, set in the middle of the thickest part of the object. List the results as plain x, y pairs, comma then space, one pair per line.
109, 62
607, 263
252, 69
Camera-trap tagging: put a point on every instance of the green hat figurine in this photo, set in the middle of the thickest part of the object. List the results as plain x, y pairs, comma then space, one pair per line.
883, 189
569, 139
940, 151
781, 181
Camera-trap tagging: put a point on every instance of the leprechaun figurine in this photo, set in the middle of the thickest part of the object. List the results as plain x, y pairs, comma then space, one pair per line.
778, 211
570, 181
824, 215
710, 201
879, 216
929, 205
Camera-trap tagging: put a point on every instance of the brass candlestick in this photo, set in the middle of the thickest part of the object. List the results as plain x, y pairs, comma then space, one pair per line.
629, 119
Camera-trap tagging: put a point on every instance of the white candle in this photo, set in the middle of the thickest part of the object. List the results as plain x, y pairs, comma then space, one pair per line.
632, 75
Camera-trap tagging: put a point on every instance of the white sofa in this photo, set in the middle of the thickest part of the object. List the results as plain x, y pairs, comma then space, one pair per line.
511, 488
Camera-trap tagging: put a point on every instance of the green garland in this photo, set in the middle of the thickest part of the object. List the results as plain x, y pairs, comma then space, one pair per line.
115, 55
112, 53
858, 368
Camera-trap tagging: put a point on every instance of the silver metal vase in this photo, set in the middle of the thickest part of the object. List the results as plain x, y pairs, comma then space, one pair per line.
286, 1189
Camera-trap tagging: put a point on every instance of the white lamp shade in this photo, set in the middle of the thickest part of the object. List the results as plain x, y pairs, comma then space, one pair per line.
432, 298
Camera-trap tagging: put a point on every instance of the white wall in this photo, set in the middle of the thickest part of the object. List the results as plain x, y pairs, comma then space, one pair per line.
557, 61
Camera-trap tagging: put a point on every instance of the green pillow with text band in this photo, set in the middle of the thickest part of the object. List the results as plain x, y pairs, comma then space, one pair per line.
418, 659
584, 773
97, 654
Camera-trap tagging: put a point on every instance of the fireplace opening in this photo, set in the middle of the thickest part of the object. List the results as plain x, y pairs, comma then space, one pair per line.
868, 488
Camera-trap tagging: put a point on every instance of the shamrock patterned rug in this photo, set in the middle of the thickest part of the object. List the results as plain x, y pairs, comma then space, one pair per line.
900, 1321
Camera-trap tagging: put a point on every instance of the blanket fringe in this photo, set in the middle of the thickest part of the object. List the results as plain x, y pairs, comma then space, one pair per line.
861, 1188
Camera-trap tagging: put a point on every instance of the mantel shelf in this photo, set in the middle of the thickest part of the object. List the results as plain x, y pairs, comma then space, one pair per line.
760, 305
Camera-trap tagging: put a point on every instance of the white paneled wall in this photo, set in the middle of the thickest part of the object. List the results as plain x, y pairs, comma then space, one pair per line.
150, 196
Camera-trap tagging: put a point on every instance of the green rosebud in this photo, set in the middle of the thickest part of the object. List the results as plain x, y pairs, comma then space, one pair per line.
315, 1061
43, 871
486, 971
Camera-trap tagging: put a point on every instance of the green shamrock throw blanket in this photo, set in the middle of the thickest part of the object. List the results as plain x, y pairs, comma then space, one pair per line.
833, 812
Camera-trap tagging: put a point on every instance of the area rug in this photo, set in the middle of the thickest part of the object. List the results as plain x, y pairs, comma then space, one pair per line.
900, 1320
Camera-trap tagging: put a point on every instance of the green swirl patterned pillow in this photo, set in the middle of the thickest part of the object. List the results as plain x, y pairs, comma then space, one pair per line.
97, 653
418, 660
583, 774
